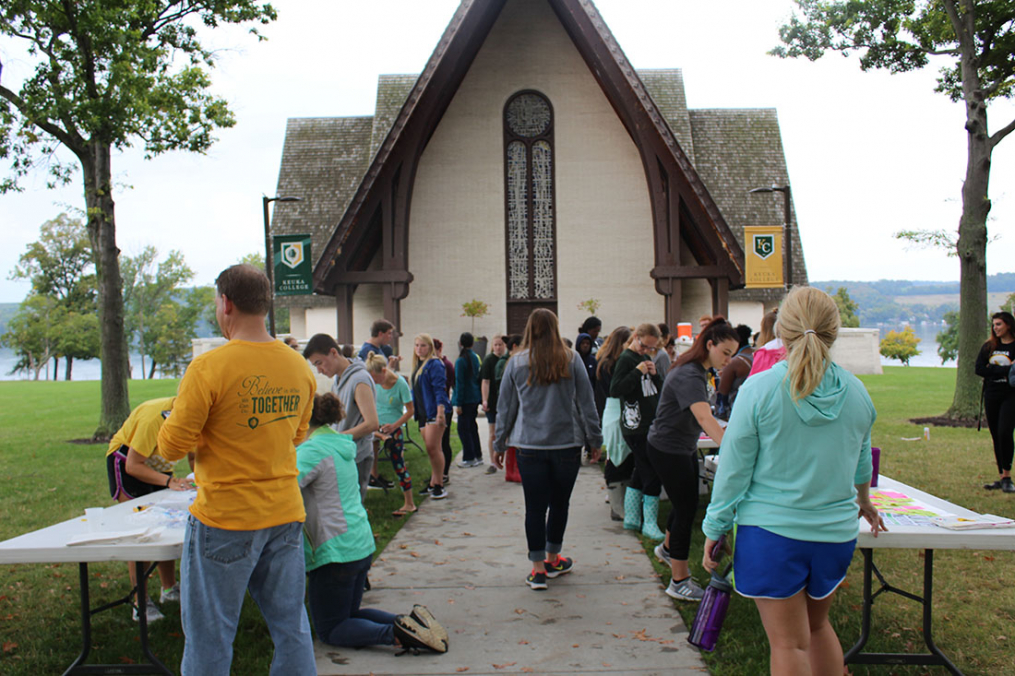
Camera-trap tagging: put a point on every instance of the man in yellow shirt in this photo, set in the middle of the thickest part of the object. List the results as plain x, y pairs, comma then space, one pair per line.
244, 406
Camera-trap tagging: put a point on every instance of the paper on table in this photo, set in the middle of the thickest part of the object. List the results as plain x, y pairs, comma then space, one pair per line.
965, 523
114, 537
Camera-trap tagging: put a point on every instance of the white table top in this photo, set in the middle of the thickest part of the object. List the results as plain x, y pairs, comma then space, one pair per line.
49, 545
930, 536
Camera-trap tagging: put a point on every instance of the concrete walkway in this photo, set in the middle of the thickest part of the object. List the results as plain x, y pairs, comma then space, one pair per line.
465, 559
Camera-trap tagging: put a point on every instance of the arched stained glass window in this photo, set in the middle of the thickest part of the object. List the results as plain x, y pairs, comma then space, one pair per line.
530, 207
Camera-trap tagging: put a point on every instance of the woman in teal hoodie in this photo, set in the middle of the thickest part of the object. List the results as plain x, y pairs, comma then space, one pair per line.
795, 467
339, 544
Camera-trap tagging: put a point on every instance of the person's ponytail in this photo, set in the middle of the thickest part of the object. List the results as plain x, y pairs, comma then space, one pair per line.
808, 325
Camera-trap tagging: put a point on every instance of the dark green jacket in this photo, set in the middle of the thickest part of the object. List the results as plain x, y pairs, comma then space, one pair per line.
638, 393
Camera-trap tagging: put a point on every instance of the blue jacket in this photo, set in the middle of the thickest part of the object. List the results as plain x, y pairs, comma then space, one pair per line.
433, 390
467, 389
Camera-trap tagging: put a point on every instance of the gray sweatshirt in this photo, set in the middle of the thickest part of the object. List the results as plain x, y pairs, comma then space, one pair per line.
561, 415
344, 388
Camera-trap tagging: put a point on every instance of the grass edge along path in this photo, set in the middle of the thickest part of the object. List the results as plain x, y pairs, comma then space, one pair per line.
48, 479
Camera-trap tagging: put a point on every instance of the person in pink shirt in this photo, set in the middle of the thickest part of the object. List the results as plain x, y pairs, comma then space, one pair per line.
772, 351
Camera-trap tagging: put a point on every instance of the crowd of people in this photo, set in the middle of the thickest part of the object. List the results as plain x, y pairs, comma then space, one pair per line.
283, 471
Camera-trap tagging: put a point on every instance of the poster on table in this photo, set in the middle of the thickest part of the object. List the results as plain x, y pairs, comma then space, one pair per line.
291, 262
763, 244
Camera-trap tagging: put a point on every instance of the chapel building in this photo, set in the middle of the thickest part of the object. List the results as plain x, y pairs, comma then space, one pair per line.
529, 165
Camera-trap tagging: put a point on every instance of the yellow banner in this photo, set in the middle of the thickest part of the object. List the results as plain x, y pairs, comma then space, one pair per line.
763, 245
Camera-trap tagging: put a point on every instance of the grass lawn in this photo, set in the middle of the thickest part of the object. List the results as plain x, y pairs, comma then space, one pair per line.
974, 602
46, 480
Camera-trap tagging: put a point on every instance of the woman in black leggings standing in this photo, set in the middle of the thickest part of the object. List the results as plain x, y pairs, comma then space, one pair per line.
992, 364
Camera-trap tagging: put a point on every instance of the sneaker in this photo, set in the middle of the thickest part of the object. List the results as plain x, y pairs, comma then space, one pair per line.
438, 492
478, 462
379, 483
662, 553
171, 595
491, 469
536, 580
445, 480
464, 463
563, 566
425, 490
994, 486
152, 612
1007, 486
685, 590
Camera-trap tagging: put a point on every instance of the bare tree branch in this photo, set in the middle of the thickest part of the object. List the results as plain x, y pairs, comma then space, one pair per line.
999, 135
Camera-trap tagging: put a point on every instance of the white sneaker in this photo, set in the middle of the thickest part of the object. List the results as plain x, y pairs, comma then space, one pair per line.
685, 590
171, 595
464, 463
662, 554
152, 612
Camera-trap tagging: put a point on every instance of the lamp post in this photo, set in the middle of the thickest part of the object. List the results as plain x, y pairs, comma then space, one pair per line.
788, 264
269, 268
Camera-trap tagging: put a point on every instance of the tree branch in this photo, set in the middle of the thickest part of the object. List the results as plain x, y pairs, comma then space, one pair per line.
59, 134
84, 43
999, 135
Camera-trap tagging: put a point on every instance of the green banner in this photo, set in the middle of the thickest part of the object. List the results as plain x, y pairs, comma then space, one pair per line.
291, 259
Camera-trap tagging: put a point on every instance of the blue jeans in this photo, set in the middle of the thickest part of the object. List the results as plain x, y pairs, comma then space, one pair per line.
217, 569
336, 590
548, 478
468, 432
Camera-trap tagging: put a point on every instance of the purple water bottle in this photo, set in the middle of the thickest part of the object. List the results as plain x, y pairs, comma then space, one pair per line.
711, 613
714, 604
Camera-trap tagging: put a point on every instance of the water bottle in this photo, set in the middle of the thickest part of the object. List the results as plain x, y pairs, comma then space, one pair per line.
711, 614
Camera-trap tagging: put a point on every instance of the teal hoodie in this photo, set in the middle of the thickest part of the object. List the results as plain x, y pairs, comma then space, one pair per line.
337, 529
792, 467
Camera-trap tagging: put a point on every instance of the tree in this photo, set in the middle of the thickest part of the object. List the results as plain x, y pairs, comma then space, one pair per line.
475, 308
150, 283
78, 339
900, 345
59, 265
108, 75
848, 308
33, 331
1009, 304
978, 39
948, 340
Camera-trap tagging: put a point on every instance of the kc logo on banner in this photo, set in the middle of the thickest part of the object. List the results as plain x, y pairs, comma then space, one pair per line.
291, 254
764, 256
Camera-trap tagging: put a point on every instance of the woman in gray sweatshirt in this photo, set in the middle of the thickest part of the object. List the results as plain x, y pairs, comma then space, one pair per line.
546, 410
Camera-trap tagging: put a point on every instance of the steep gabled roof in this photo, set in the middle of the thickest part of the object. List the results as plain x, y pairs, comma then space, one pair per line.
434, 88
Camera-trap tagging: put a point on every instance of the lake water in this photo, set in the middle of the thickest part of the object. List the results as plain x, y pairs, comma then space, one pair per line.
89, 369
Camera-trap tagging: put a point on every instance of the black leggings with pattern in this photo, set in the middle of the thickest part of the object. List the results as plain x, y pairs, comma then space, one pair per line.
395, 446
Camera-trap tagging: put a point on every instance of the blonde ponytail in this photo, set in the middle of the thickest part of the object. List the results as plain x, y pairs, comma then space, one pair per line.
376, 363
808, 325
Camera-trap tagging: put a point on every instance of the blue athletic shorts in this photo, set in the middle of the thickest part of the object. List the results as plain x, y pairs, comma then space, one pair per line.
770, 566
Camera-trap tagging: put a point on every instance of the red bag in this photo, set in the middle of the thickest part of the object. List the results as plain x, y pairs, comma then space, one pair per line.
511, 467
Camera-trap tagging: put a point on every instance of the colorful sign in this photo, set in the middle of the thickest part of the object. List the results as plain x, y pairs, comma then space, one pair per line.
291, 264
764, 256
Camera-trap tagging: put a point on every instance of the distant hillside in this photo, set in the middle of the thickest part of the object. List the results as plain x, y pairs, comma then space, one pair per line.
896, 302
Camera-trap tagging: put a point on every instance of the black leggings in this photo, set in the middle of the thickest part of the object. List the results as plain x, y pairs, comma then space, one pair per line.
1001, 421
644, 478
679, 474
446, 442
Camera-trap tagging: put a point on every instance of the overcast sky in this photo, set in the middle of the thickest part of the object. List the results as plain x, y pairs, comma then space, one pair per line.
868, 153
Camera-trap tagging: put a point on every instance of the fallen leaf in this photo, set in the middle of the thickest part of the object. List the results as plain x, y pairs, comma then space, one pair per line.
104, 585
468, 534
9, 646
524, 642
988, 558
527, 670
176, 634
505, 665
574, 645
438, 543
414, 555
519, 611
461, 669
619, 577
581, 596
126, 660
451, 601
606, 664
1002, 638
403, 546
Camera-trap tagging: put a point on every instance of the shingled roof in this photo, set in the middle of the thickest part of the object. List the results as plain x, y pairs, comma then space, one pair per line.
737, 150
323, 161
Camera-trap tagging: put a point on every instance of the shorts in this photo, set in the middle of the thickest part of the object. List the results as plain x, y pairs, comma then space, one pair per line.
491, 416
121, 482
770, 566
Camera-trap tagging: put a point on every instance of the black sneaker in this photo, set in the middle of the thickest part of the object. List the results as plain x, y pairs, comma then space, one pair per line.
536, 580
1007, 486
377, 483
446, 479
996, 486
563, 566
438, 492
425, 490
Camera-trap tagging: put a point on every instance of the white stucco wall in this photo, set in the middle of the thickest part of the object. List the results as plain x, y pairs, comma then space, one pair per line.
457, 227
858, 350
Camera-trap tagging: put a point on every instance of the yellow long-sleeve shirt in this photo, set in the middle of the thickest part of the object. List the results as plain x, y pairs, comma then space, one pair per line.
244, 406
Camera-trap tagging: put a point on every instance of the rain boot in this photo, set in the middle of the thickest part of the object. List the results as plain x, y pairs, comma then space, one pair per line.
650, 523
616, 495
632, 508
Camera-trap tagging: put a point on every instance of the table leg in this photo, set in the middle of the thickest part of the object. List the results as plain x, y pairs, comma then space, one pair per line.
86, 619
854, 654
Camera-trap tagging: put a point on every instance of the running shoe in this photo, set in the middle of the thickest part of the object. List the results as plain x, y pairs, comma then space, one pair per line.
171, 595
662, 553
378, 483
425, 490
152, 612
563, 566
685, 590
438, 492
536, 581
492, 469
1007, 486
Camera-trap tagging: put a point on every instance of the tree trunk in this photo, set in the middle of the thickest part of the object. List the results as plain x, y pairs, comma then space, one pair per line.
69, 361
972, 243
56, 368
113, 342
151, 374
